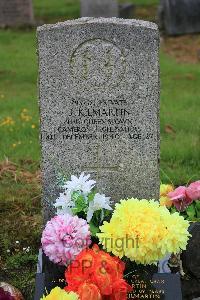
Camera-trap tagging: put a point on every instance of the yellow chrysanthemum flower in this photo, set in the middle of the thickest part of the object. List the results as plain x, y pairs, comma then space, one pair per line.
143, 231
59, 294
165, 201
165, 189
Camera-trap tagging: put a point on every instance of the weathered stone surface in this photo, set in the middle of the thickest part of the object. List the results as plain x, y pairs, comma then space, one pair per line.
180, 16
99, 105
16, 12
99, 8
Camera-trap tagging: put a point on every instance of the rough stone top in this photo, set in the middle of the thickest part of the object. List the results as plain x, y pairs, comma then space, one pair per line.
90, 20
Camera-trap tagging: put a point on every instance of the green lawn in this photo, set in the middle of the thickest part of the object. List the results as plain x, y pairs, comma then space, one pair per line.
68, 9
180, 97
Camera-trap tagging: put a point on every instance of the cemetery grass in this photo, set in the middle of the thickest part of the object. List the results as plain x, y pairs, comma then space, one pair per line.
20, 187
19, 120
49, 10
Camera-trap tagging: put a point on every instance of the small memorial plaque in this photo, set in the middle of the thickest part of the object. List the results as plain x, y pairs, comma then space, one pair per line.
160, 286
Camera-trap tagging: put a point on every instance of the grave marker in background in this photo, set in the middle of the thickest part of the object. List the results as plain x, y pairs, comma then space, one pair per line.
99, 8
180, 16
99, 105
16, 12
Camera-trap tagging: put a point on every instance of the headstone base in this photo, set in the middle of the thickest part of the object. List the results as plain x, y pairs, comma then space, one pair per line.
146, 284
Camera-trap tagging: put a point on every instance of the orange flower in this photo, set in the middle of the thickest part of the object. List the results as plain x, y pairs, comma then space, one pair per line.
88, 291
95, 270
120, 290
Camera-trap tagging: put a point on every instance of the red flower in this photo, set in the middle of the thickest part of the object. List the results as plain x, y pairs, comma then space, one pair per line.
97, 274
120, 290
89, 291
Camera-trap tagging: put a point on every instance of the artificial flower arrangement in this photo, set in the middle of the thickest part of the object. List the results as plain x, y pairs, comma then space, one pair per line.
140, 231
183, 199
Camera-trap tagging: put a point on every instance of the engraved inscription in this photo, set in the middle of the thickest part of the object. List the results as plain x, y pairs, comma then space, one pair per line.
98, 63
145, 289
107, 119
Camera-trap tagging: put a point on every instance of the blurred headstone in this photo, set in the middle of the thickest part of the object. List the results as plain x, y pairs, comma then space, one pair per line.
16, 12
99, 8
179, 16
191, 257
126, 10
191, 264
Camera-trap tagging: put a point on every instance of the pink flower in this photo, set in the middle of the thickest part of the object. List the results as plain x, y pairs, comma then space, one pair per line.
193, 190
64, 237
180, 198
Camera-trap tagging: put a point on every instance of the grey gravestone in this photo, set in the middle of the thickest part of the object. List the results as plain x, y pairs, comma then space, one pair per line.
99, 105
157, 286
99, 8
16, 12
180, 16
126, 10
191, 264
191, 257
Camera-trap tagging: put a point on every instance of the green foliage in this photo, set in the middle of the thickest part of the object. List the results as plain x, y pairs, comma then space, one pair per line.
21, 260
52, 10
19, 270
93, 229
91, 195
191, 213
80, 203
197, 208
61, 179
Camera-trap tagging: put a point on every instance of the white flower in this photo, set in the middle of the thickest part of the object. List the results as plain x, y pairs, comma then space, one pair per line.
17, 242
28, 249
99, 202
8, 251
64, 204
79, 184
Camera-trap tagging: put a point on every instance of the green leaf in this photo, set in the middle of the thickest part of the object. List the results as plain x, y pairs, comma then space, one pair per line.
191, 212
91, 196
197, 207
80, 203
185, 216
173, 210
93, 229
75, 196
61, 179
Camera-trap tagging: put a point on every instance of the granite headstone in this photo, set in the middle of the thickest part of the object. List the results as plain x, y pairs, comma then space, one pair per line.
99, 8
191, 264
99, 105
16, 12
126, 10
179, 16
